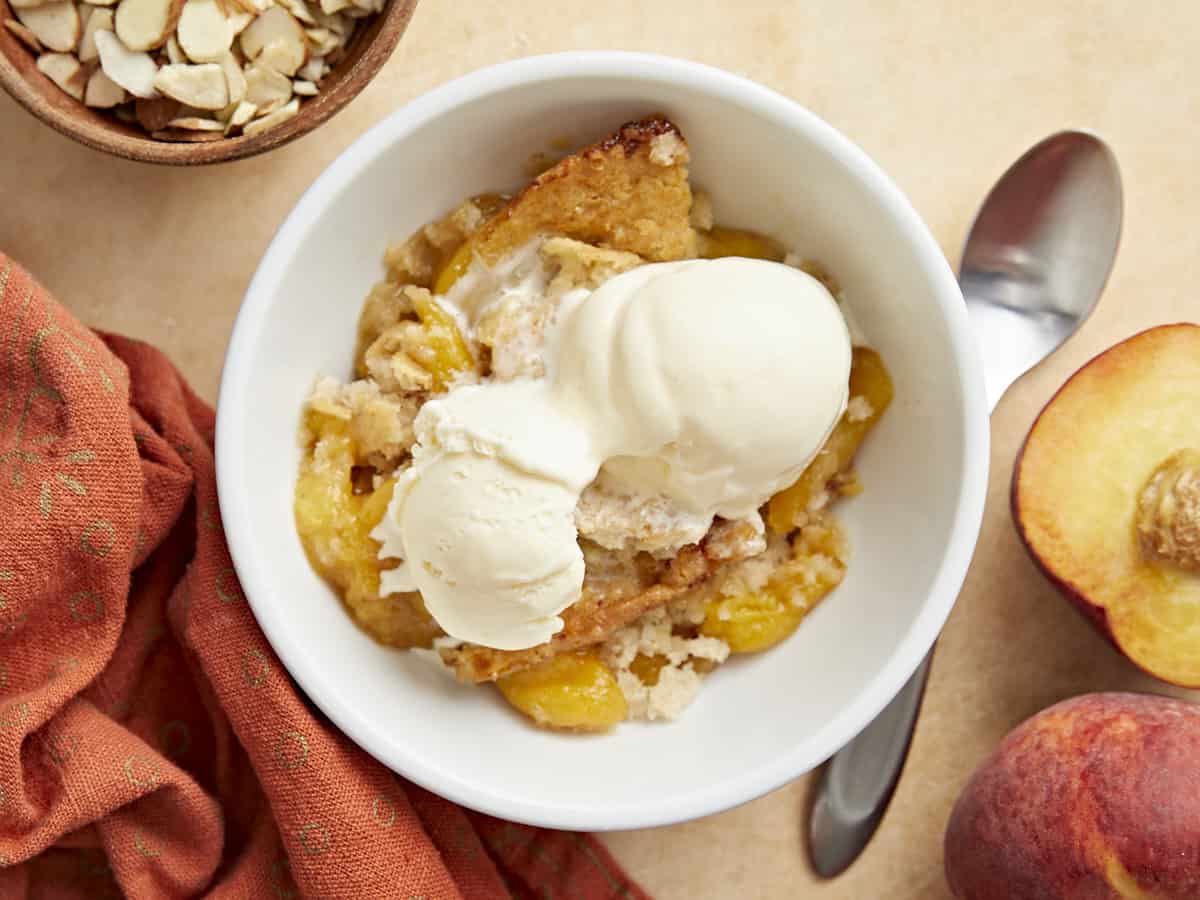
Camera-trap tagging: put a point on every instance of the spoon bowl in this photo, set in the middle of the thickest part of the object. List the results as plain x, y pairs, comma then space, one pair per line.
1040, 251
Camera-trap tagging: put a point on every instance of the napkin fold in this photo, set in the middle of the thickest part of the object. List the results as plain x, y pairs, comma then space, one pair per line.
151, 744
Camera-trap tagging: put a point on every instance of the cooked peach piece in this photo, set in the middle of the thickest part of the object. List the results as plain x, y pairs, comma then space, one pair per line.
869, 380
335, 523
1106, 496
720, 241
573, 691
760, 619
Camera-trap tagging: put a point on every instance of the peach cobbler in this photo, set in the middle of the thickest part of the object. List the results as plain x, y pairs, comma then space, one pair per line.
592, 442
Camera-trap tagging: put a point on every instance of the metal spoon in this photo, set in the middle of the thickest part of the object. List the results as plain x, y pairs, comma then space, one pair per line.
1035, 262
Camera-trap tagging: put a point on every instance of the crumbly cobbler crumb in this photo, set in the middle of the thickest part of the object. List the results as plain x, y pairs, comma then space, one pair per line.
574, 264
732, 539
668, 149
859, 409
380, 424
621, 520
415, 259
655, 635
512, 308
701, 215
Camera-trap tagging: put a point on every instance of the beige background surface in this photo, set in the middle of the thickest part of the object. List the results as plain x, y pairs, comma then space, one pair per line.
944, 94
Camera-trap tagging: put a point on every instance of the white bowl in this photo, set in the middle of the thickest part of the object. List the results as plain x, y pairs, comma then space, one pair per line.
760, 721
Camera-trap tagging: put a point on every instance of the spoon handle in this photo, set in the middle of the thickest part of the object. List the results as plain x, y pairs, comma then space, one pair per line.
857, 785
859, 781
1010, 342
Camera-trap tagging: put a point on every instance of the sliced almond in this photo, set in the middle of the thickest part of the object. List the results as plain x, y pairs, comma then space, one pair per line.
281, 56
131, 70
24, 35
285, 112
266, 88
79, 80
335, 22
329, 7
146, 24
55, 24
85, 13
240, 21
241, 115
299, 11
313, 70
276, 28
102, 92
24, 4
62, 69
175, 54
202, 86
99, 20
184, 136
235, 79
153, 115
322, 40
203, 31
304, 88
196, 123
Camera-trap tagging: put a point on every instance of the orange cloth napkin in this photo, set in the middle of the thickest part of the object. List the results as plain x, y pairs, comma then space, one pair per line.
150, 741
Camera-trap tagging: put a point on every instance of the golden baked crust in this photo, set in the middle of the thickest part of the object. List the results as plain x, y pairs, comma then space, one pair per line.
629, 192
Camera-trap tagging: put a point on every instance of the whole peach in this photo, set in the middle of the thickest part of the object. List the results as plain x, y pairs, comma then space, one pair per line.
1095, 797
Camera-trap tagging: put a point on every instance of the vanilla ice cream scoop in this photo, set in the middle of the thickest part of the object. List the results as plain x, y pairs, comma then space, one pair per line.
503, 542
711, 382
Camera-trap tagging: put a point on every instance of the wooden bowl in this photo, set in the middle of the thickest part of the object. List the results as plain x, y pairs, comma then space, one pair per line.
372, 44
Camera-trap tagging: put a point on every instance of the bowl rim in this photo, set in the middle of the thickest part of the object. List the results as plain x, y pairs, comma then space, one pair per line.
394, 20
909, 649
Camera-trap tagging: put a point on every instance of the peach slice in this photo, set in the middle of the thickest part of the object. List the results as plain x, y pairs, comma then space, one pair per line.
572, 691
1106, 497
871, 393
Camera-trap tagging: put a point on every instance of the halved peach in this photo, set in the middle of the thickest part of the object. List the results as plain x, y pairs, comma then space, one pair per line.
1106, 497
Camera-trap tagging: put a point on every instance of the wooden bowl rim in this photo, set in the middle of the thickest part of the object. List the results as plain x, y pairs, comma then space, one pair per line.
393, 21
